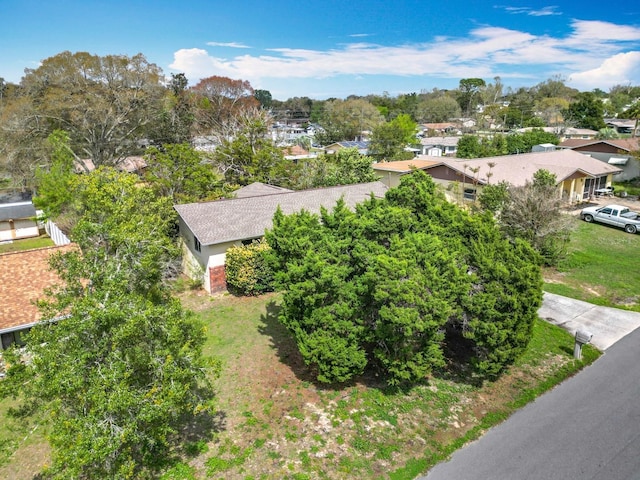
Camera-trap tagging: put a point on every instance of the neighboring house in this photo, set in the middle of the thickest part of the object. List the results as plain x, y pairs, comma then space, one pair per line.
127, 164
622, 126
296, 152
581, 133
563, 133
544, 147
362, 146
441, 128
616, 152
18, 220
208, 229
281, 133
439, 146
578, 175
24, 277
204, 143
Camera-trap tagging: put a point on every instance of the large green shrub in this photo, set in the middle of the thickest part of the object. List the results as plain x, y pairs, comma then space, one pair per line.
382, 287
247, 270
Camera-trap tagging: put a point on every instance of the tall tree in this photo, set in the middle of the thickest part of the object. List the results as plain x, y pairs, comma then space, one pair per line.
219, 101
469, 95
586, 111
347, 119
389, 140
264, 98
181, 173
250, 155
121, 369
438, 109
104, 103
176, 116
57, 183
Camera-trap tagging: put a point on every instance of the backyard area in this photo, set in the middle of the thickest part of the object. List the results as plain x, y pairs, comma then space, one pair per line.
273, 421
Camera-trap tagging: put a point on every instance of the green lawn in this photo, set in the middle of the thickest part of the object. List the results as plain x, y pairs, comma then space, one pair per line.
27, 244
603, 267
277, 423
280, 424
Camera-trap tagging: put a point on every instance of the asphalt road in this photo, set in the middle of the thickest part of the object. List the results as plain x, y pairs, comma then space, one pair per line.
588, 427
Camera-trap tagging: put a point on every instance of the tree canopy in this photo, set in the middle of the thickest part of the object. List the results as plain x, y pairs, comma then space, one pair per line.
116, 362
384, 286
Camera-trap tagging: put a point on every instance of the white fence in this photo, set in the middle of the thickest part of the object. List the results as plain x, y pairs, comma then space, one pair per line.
58, 237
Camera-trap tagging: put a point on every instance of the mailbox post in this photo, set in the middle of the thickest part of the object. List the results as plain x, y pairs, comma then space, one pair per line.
582, 337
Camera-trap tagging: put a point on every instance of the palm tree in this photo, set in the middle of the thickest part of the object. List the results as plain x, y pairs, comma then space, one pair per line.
634, 113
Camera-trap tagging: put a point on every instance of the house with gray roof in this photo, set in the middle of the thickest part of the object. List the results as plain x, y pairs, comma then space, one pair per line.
208, 229
439, 146
18, 220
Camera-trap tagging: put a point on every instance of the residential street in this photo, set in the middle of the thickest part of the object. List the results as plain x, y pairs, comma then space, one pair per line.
586, 428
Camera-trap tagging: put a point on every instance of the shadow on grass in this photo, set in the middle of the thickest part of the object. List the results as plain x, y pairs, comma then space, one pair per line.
458, 351
284, 343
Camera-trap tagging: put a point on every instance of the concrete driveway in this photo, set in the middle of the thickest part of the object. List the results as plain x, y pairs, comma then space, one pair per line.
608, 325
587, 427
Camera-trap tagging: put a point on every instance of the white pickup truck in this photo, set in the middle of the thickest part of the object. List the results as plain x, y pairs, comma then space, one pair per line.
615, 215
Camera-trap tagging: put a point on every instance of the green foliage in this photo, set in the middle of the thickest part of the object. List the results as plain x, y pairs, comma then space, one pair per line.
247, 270
587, 111
389, 139
264, 97
473, 146
120, 218
105, 103
544, 178
469, 94
56, 185
379, 286
345, 167
493, 196
250, 156
468, 147
504, 299
120, 368
179, 172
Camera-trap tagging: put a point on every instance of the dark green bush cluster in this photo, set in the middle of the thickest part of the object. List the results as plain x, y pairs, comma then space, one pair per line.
388, 285
247, 270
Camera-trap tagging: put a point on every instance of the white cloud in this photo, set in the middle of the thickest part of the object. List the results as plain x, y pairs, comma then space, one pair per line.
592, 48
228, 44
594, 30
620, 69
542, 12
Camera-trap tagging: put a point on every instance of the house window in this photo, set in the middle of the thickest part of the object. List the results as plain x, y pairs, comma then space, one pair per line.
196, 244
470, 194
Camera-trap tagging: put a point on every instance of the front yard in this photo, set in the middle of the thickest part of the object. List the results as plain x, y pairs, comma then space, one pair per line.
274, 422
603, 268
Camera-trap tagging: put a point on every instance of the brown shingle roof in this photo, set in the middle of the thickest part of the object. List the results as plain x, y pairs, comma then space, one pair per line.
243, 218
23, 278
406, 165
626, 144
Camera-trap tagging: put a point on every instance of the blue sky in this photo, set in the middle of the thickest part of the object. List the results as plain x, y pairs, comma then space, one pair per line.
334, 48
